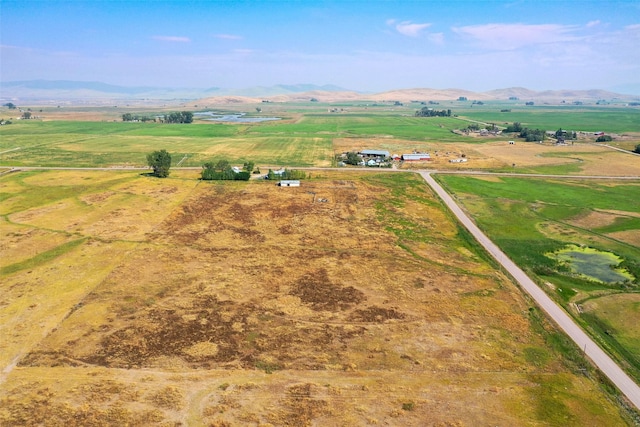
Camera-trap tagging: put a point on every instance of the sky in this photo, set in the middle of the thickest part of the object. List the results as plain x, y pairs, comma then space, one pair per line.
370, 46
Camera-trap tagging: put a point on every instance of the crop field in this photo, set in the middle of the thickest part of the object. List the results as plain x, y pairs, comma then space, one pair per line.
313, 138
616, 120
354, 299
532, 218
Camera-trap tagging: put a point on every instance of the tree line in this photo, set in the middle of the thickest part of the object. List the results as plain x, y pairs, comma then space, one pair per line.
176, 117
430, 112
529, 135
223, 171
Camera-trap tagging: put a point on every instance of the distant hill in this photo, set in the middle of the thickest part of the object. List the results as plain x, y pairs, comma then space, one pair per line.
69, 90
77, 90
65, 90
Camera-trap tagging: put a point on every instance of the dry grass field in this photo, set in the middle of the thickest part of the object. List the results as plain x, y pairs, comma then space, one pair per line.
527, 157
351, 300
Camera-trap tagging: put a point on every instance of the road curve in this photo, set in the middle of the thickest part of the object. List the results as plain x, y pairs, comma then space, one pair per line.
601, 359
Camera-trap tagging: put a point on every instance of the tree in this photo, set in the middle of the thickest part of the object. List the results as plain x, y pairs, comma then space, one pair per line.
182, 117
222, 165
352, 158
10, 105
211, 171
26, 115
637, 149
430, 112
248, 166
515, 127
160, 161
605, 138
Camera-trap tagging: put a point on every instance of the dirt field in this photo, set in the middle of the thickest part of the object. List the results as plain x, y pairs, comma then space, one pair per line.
586, 159
350, 300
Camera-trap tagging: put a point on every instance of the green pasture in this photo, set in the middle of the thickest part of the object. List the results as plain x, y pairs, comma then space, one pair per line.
102, 144
307, 142
588, 119
530, 218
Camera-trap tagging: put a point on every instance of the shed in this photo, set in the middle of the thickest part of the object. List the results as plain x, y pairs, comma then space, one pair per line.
289, 183
416, 157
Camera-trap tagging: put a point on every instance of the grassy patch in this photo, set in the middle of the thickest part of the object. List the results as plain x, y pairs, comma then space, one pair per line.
42, 257
530, 218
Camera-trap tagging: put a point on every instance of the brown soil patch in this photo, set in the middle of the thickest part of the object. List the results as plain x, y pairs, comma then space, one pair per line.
316, 290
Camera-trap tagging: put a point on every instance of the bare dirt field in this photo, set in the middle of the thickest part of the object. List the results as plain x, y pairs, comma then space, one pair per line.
351, 300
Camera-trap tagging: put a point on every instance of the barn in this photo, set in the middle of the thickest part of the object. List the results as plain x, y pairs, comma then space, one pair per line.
416, 157
374, 154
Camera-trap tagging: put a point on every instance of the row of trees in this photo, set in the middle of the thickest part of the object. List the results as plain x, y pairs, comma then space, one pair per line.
430, 112
128, 117
181, 117
176, 117
223, 171
529, 135
160, 162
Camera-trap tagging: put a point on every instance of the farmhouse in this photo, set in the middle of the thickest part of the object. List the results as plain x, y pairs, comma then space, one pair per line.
458, 160
416, 157
289, 183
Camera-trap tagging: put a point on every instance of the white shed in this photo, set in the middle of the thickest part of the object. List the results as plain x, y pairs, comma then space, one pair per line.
289, 183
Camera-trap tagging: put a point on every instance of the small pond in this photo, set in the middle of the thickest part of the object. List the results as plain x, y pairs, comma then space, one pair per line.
593, 264
236, 118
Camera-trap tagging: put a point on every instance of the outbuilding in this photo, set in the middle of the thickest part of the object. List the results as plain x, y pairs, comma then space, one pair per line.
376, 154
289, 183
416, 157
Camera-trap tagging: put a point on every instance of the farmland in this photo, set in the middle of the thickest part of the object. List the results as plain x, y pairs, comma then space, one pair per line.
531, 219
177, 301
354, 299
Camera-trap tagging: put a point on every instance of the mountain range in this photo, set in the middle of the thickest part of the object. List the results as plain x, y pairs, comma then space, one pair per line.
65, 90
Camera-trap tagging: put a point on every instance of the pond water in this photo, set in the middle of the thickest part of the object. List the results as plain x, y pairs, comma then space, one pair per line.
593, 264
237, 118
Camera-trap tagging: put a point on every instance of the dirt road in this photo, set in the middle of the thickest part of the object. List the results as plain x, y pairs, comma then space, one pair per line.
624, 383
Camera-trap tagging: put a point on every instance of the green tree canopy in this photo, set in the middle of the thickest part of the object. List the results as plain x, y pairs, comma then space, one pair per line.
352, 158
248, 166
160, 161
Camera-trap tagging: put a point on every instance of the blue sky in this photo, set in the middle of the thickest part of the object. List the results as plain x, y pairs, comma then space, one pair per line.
370, 45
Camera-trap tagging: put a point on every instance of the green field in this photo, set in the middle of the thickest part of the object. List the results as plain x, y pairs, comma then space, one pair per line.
532, 218
307, 142
578, 118
305, 136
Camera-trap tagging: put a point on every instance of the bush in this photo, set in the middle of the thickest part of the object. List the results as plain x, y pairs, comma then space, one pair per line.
604, 138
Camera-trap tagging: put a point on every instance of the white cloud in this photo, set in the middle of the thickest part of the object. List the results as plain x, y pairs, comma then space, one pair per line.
595, 23
172, 39
513, 36
411, 30
228, 36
